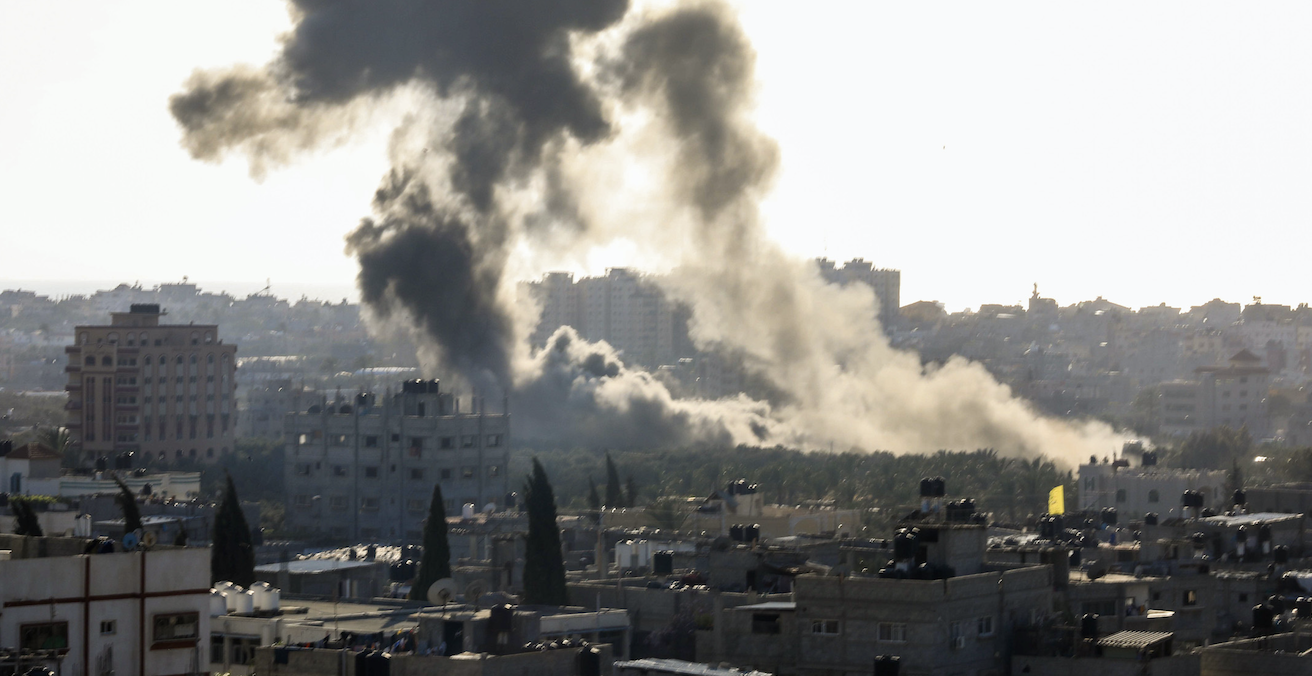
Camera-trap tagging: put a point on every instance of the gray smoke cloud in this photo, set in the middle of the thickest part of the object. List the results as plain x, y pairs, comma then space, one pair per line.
525, 118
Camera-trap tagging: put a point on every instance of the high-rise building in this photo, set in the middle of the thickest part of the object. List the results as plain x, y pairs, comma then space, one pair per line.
364, 469
887, 284
162, 391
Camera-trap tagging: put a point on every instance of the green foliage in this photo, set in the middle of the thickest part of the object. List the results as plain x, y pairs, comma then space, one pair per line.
1011, 488
614, 493
256, 464
127, 502
630, 492
436, 562
232, 556
594, 500
1216, 448
544, 565
667, 513
25, 519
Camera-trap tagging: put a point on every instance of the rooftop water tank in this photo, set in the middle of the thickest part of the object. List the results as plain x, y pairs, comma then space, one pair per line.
266, 596
218, 604
467, 512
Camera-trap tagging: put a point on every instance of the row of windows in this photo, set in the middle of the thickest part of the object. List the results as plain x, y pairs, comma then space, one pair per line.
413, 473
416, 443
896, 632
132, 338
415, 505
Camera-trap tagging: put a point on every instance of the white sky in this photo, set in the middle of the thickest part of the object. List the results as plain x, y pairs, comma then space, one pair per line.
1145, 152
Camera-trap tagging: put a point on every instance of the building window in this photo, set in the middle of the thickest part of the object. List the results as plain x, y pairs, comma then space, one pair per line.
43, 636
467, 472
301, 501
448, 442
956, 637
445, 474
303, 468
371, 442
892, 632
415, 505
985, 626
1154, 496
177, 627
337, 502
1190, 597
1120, 495
371, 472
339, 470
765, 623
493, 471
824, 627
90, 361
369, 504
468, 440
108, 627
494, 440
416, 474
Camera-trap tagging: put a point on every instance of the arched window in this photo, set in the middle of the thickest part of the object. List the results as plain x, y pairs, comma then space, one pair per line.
106, 361
1154, 496
146, 360
209, 338
179, 359
113, 337
209, 359
90, 361
1120, 495
193, 359
132, 339
85, 338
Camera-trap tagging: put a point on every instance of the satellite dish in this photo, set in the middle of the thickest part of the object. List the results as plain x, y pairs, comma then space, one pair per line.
442, 592
130, 541
148, 539
474, 590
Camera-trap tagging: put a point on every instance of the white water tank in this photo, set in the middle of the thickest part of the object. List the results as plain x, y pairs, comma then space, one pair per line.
231, 593
624, 554
467, 512
218, 604
642, 553
245, 603
266, 596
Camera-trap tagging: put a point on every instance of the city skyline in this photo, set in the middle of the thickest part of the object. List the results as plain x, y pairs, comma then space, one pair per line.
1121, 176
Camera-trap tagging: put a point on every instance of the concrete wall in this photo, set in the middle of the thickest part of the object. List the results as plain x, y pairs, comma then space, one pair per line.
1277, 655
85, 591
320, 662
1177, 665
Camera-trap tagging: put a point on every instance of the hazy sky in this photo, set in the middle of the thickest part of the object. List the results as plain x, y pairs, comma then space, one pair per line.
1143, 152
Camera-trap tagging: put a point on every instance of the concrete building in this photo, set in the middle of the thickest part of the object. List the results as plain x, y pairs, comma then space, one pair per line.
19, 466
887, 284
1135, 491
1235, 395
364, 469
142, 612
138, 386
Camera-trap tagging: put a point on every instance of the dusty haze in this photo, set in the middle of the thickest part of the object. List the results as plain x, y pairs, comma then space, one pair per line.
539, 131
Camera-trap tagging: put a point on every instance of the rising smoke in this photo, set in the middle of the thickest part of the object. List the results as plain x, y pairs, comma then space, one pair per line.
529, 116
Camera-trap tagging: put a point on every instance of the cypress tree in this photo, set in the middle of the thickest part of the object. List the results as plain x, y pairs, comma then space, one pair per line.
614, 492
128, 503
544, 565
594, 500
232, 557
25, 520
436, 562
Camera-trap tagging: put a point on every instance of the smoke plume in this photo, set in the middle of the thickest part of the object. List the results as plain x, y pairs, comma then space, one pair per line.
526, 120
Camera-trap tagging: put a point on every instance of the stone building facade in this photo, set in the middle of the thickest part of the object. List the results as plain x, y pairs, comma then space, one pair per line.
157, 390
364, 469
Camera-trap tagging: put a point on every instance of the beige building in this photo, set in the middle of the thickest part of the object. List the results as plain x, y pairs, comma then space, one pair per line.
161, 391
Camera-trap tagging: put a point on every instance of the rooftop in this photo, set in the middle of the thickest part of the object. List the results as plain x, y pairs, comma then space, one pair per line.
680, 667
1136, 640
306, 566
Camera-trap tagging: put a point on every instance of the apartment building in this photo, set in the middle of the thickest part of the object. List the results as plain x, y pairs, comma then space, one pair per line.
166, 391
141, 612
886, 283
364, 469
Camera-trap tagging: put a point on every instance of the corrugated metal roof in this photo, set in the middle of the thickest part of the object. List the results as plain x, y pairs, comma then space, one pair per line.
770, 605
1134, 639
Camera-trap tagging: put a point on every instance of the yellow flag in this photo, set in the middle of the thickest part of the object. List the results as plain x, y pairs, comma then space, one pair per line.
1057, 500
